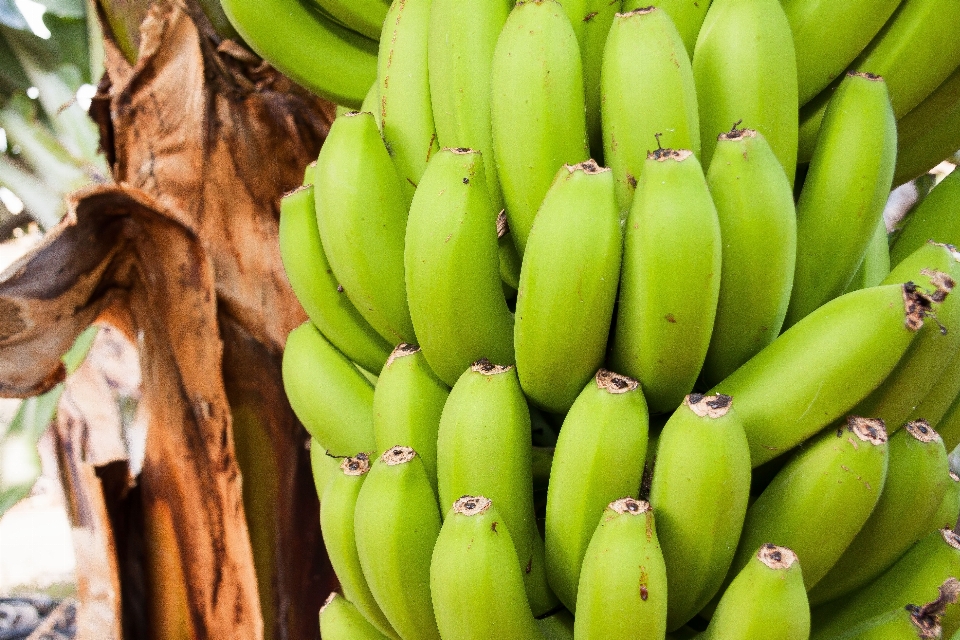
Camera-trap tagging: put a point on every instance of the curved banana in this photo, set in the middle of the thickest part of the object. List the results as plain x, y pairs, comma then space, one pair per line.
316, 287
766, 601
819, 501
564, 307
758, 225
701, 484
509, 256
322, 466
340, 620
911, 622
934, 268
363, 16
536, 109
829, 35
949, 511
915, 577
396, 524
941, 397
845, 191
476, 581
403, 86
362, 227
407, 403
328, 394
906, 511
933, 219
461, 41
337, 508
370, 104
486, 418
623, 589
745, 70
876, 261
823, 366
331, 61
687, 16
647, 89
949, 426
930, 133
598, 458
670, 279
453, 268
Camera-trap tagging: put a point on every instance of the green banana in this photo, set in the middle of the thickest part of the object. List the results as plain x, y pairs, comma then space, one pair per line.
316, 287
687, 16
307, 179
933, 219
328, 394
406, 117
845, 191
452, 268
915, 485
486, 418
366, 258
340, 620
820, 368
911, 622
475, 578
322, 467
745, 70
337, 508
949, 511
647, 89
557, 626
407, 403
460, 44
662, 330
507, 250
536, 109
766, 601
829, 35
916, 50
701, 484
759, 230
941, 397
876, 261
598, 458
819, 501
933, 267
930, 133
915, 577
396, 523
623, 589
371, 104
363, 16
949, 426
564, 307
329, 60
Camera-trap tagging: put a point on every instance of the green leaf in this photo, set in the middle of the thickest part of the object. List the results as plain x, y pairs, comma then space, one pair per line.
10, 16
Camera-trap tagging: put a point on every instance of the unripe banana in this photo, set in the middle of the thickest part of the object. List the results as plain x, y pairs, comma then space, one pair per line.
328, 394
745, 69
915, 577
371, 104
396, 522
766, 601
536, 109
623, 585
819, 501
316, 287
647, 89
557, 626
307, 177
363, 16
340, 620
911, 622
949, 511
486, 418
936, 268
819, 369
906, 511
844, 193
933, 219
687, 16
453, 269
758, 225
829, 35
322, 467
930, 133
598, 458
509, 256
915, 52
475, 578
876, 261
564, 307
701, 485
366, 257
949, 426
407, 403
337, 508
406, 117
460, 46
662, 330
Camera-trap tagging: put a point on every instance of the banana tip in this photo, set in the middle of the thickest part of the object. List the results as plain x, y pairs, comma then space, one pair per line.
398, 455
872, 430
615, 382
776, 557
709, 406
630, 506
471, 505
402, 350
356, 465
922, 431
487, 368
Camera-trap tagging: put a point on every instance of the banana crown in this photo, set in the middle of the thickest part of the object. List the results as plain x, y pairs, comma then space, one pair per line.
357, 465
398, 455
708, 406
922, 431
403, 349
614, 382
871, 430
777, 558
471, 505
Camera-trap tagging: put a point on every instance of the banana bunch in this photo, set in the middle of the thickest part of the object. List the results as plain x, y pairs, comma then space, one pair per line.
607, 337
